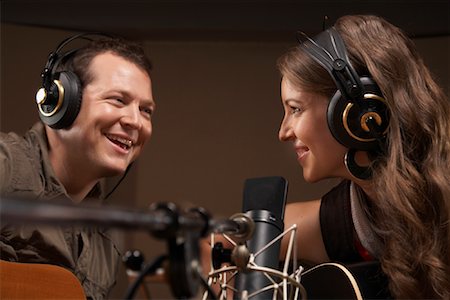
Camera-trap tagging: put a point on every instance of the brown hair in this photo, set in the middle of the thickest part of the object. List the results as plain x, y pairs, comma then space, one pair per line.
79, 61
412, 181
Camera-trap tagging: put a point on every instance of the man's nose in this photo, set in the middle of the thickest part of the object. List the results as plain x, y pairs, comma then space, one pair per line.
131, 117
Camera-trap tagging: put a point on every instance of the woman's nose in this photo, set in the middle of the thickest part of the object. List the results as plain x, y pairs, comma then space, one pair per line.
285, 132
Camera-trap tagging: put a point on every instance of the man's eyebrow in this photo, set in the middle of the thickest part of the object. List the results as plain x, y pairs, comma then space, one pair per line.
148, 102
128, 95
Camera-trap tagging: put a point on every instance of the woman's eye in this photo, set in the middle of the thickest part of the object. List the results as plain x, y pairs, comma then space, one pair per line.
295, 110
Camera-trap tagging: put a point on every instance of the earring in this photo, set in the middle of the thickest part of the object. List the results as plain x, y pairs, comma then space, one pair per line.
357, 171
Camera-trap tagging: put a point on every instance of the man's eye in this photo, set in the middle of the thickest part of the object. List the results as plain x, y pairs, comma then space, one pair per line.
147, 111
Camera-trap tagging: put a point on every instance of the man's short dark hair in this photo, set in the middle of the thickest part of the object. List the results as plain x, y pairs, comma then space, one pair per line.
79, 61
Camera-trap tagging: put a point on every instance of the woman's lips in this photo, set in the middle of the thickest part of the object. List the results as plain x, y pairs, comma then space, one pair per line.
301, 151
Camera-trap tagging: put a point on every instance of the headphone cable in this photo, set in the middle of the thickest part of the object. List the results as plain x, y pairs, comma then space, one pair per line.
119, 181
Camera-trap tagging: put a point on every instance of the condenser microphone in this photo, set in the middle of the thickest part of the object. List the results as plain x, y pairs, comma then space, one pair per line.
264, 202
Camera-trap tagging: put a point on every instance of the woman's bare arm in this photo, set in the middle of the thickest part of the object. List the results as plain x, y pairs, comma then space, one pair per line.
310, 245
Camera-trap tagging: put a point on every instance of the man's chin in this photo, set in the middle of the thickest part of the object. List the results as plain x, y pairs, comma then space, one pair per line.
115, 171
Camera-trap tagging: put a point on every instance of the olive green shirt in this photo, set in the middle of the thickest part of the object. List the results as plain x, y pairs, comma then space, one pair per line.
89, 252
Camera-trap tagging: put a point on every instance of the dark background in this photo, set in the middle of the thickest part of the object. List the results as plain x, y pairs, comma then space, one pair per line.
215, 20
215, 84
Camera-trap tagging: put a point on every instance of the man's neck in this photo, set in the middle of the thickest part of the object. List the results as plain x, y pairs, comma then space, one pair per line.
77, 180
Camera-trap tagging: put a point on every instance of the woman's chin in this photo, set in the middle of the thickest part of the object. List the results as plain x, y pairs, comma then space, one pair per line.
310, 177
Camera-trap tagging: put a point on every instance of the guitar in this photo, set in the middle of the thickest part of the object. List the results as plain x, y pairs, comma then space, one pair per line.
335, 281
38, 281
326, 281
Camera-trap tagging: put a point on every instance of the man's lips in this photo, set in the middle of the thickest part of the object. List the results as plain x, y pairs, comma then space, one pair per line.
123, 142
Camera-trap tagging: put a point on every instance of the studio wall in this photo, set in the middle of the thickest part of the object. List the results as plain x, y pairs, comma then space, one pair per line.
216, 122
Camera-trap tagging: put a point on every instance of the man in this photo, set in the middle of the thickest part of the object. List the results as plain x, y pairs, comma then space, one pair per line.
76, 146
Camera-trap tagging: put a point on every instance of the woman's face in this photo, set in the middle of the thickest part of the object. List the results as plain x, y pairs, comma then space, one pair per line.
305, 125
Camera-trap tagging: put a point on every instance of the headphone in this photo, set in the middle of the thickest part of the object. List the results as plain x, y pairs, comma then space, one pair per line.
59, 98
357, 115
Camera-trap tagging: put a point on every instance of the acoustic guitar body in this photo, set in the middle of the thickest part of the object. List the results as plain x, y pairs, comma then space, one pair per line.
38, 281
335, 281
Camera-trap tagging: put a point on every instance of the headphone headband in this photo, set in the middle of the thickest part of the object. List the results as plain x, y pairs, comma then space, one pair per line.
84, 35
55, 58
59, 98
328, 49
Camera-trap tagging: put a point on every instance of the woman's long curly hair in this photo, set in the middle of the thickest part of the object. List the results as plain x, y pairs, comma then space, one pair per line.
412, 181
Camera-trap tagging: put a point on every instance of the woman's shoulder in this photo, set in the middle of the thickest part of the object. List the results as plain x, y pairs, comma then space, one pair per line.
339, 191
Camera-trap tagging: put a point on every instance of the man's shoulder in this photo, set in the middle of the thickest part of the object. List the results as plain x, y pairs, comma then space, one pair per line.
12, 141
10, 138
14, 147
19, 162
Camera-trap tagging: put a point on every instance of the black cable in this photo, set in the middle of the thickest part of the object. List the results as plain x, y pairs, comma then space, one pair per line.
148, 269
211, 294
119, 181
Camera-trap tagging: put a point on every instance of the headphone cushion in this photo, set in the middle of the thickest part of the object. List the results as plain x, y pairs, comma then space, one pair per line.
71, 103
344, 118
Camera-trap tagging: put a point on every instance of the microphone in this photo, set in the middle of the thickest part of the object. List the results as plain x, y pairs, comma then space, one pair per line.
264, 202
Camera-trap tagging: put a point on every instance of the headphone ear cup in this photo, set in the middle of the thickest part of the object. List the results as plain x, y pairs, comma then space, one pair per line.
63, 112
348, 120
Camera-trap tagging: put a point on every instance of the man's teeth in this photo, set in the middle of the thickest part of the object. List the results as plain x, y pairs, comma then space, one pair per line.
126, 142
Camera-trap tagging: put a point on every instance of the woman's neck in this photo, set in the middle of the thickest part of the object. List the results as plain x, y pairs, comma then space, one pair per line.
367, 187
362, 159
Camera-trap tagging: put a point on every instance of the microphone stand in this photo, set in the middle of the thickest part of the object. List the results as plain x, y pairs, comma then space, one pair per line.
148, 270
182, 231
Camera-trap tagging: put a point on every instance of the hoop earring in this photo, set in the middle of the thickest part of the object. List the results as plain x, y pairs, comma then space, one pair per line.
356, 170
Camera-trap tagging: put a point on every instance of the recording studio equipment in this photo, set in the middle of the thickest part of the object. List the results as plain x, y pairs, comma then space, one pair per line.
264, 202
253, 262
136, 267
60, 212
147, 269
161, 220
181, 229
242, 233
59, 98
220, 255
134, 260
357, 115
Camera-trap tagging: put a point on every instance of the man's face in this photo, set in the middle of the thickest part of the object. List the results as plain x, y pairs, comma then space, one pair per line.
114, 121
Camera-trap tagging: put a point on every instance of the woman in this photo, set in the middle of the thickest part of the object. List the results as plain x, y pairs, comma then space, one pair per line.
393, 203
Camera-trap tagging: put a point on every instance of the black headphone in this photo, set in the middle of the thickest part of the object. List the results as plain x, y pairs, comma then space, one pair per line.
357, 114
59, 98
